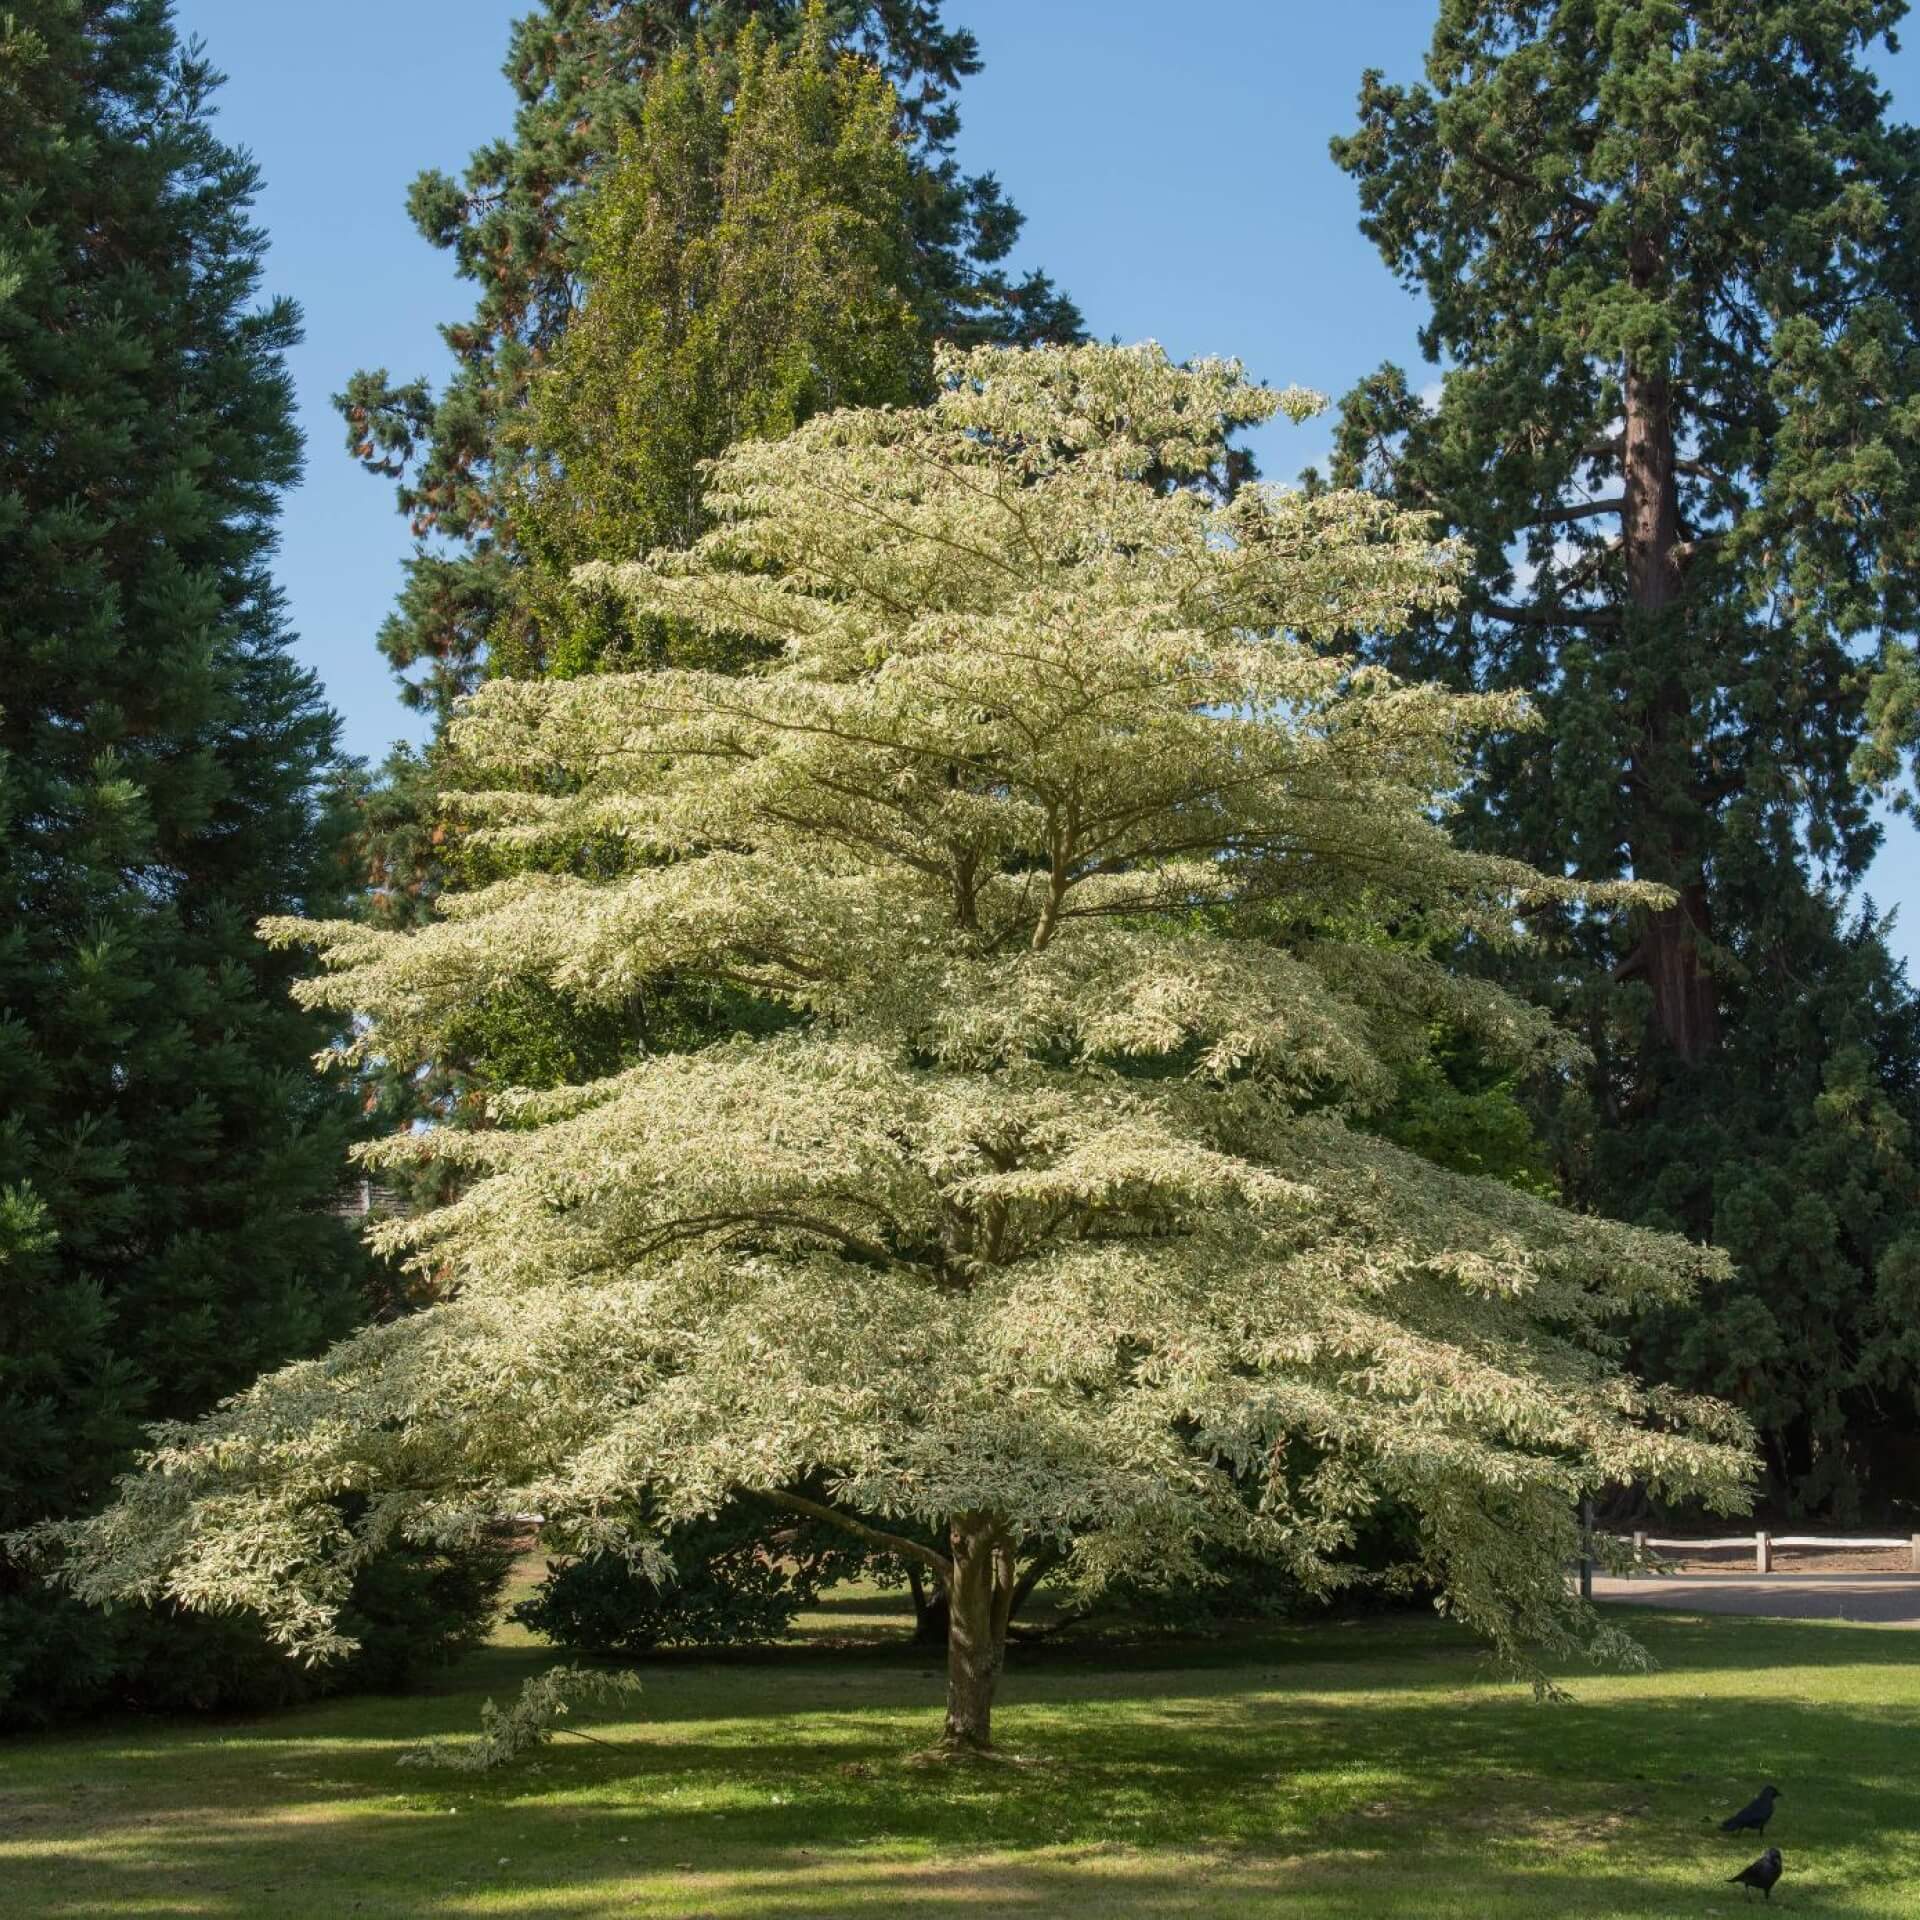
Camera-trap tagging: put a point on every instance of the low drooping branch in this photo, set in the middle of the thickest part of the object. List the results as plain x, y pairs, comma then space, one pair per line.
873, 1536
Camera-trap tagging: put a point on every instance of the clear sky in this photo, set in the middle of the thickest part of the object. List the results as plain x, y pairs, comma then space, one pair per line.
1172, 163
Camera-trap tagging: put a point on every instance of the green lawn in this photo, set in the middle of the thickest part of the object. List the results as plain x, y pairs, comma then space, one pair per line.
1338, 1771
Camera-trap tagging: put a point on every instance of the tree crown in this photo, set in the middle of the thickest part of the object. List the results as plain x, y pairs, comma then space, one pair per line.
1073, 848
747, 259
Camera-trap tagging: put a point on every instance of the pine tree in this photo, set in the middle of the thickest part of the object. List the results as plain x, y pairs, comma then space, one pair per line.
579, 69
1074, 845
166, 1155
1671, 260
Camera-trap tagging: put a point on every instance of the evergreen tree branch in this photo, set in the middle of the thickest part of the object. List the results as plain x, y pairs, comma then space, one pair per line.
1493, 168
1585, 510
1549, 616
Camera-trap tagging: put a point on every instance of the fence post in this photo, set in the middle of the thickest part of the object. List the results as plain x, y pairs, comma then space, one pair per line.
1763, 1553
1916, 1553
1640, 1546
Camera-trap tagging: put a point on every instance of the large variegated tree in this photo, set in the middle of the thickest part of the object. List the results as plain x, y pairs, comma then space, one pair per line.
1050, 1222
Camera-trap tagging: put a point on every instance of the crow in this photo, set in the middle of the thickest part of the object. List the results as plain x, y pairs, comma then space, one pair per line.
1753, 1817
1762, 1874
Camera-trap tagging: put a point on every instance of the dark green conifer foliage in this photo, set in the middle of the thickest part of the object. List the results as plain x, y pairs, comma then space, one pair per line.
579, 70
167, 1157
1671, 250
746, 261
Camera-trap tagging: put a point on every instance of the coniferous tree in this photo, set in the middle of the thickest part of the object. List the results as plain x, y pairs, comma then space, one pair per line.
167, 1156
579, 70
1671, 256
746, 260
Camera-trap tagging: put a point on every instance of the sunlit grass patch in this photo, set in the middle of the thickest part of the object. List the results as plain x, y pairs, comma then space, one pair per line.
1339, 1771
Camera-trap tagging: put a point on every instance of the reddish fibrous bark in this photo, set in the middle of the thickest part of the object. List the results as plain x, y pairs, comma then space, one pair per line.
1668, 952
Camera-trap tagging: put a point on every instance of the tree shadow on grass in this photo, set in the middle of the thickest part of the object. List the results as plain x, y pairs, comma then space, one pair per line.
1719, 1642
1386, 1780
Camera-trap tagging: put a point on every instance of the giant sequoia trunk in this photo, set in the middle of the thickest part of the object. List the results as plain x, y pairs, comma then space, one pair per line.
1667, 954
980, 1599
1686, 1008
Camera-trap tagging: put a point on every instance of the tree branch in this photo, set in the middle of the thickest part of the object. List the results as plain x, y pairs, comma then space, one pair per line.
1475, 158
1033, 1636
1042, 1564
1687, 551
611, 1746
699, 1226
1700, 404
1586, 510
1550, 616
873, 1536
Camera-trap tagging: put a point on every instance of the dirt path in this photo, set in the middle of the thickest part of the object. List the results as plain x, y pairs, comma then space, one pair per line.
1887, 1600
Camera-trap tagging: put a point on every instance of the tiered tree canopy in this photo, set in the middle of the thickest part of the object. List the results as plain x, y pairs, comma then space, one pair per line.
1097, 886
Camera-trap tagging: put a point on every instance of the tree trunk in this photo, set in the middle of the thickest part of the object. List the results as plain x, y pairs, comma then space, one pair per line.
1686, 1007
979, 1595
1663, 844
931, 1610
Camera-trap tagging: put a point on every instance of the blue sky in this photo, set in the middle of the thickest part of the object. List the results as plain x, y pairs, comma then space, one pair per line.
1172, 165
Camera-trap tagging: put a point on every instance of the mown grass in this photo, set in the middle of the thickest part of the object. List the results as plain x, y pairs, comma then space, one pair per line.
1332, 1772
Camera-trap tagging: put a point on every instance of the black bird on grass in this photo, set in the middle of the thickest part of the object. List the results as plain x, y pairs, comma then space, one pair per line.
1753, 1817
1762, 1874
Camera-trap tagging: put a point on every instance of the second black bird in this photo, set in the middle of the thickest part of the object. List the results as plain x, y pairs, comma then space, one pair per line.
1753, 1817
1762, 1874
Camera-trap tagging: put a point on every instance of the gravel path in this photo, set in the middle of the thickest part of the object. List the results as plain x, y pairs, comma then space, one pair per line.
1887, 1600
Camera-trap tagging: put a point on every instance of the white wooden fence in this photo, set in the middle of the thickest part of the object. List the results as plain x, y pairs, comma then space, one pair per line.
1764, 1544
